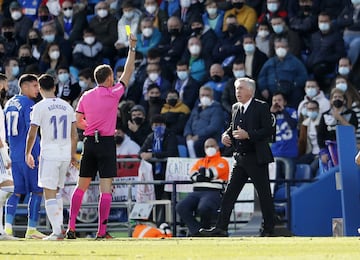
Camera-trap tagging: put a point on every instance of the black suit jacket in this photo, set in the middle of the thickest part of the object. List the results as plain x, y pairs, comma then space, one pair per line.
260, 126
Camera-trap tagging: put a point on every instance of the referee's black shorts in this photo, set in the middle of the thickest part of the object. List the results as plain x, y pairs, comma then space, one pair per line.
98, 157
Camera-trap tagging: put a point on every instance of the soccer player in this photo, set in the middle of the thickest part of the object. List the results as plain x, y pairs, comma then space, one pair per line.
17, 114
6, 182
56, 120
96, 115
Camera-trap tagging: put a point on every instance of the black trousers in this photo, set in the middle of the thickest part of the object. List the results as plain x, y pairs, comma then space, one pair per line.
246, 166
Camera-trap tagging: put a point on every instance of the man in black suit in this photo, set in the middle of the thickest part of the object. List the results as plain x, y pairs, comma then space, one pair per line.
249, 133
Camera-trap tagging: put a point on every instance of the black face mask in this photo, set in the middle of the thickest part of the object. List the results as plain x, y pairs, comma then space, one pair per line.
154, 100
306, 8
3, 94
2, 54
33, 41
216, 78
197, 31
44, 18
231, 28
238, 5
338, 103
8, 35
172, 102
174, 32
119, 139
25, 60
138, 120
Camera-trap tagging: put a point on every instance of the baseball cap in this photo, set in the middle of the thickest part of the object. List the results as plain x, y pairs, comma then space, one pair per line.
14, 5
138, 108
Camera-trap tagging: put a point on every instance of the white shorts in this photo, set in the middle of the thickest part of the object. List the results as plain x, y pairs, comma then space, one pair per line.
5, 174
52, 174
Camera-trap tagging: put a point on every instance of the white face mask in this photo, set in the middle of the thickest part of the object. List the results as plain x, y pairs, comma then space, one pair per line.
324, 27
344, 71
205, 101
54, 55
272, 7
68, 13
211, 11
263, 33
16, 15
210, 151
182, 75
102, 13
89, 40
147, 32
153, 76
150, 9
342, 86
54, 7
195, 49
129, 14
281, 52
185, 3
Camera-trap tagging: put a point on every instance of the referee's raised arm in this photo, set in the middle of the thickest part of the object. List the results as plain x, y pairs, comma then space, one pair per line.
129, 65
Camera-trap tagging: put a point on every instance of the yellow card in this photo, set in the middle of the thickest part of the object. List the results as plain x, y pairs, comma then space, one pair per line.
128, 30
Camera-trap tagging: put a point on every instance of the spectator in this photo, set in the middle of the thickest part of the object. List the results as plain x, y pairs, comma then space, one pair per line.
86, 82
209, 176
69, 23
139, 127
213, 17
67, 88
130, 16
34, 40
308, 142
170, 6
22, 23
217, 81
187, 12
285, 145
159, 144
186, 85
206, 121
283, 72
273, 7
346, 69
103, 25
245, 15
43, 17
8, 38
25, 59
263, 38
149, 37
175, 112
2, 56
88, 53
12, 70
158, 15
154, 101
52, 58
327, 46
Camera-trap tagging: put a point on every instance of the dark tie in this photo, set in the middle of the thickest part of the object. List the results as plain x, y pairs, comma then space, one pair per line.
242, 109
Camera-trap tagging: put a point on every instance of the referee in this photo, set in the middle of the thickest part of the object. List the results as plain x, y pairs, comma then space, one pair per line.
96, 115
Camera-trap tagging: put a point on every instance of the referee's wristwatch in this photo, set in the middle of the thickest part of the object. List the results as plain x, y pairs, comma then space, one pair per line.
132, 49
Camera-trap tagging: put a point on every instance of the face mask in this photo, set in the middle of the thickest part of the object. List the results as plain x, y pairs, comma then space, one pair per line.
338, 103
344, 71
238, 5
239, 73
25, 60
210, 151
272, 7
172, 101
216, 78
281, 52
16, 15
15, 71
249, 48
342, 86
355, 2
68, 13
113, 5
150, 9
33, 41
54, 55
185, 3
195, 49
311, 92
129, 15
119, 139
231, 28
278, 28
306, 8
263, 33
324, 26
211, 11
82, 85
304, 111
147, 32
63, 77
182, 75
154, 100
174, 32
8, 35
197, 31
89, 40
138, 120
49, 38
159, 131
102, 13
312, 114
153, 76
54, 7
205, 101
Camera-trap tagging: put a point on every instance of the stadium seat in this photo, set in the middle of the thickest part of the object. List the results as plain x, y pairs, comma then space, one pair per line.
182, 151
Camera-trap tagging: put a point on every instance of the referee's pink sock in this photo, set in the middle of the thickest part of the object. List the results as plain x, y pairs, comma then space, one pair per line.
76, 201
104, 211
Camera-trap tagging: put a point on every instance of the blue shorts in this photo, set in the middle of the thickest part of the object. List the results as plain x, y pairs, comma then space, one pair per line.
25, 178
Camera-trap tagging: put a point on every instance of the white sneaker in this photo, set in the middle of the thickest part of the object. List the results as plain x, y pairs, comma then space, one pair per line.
5, 236
54, 237
34, 234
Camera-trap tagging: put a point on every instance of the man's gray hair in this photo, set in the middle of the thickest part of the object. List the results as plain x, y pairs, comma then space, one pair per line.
249, 82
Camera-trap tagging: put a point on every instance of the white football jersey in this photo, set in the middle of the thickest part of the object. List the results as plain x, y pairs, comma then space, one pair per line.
2, 126
54, 116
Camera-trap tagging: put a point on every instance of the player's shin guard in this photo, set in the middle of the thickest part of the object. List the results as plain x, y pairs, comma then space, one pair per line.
76, 201
10, 208
52, 211
34, 209
104, 211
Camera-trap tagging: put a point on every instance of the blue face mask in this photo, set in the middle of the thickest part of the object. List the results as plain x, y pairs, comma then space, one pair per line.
159, 131
15, 71
278, 28
342, 86
49, 38
249, 47
63, 77
311, 92
312, 114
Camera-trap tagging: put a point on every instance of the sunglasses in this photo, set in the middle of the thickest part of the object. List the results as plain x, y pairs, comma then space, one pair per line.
67, 8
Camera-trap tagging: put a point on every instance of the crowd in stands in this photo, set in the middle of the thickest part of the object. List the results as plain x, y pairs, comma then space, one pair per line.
303, 54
